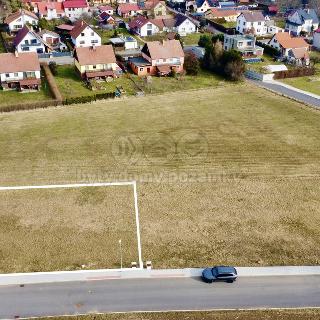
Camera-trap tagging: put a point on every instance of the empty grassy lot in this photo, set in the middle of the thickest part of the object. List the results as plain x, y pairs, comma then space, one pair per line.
225, 175
67, 229
216, 315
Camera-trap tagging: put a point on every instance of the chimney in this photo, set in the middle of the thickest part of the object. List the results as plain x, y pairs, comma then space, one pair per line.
16, 53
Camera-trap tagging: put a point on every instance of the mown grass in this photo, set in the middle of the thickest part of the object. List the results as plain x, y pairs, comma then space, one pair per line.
15, 97
213, 315
193, 38
226, 175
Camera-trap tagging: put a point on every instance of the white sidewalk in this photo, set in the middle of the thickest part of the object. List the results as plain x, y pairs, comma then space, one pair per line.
114, 274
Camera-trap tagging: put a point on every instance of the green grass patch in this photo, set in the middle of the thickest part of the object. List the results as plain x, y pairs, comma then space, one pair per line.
193, 38
15, 97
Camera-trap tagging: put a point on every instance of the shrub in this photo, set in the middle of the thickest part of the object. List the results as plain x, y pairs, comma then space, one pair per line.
204, 41
191, 64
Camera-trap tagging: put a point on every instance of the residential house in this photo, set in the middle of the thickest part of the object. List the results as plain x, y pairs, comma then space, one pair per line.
245, 44
75, 9
20, 71
17, 20
316, 39
202, 6
302, 20
143, 26
28, 40
184, 25
107, 9
294, 49
96, 62
228, 15
159, 58
52, 40
154, 8
105, 18
124, 43
82, 35
50, 10
127, 10
252, 22
127, 1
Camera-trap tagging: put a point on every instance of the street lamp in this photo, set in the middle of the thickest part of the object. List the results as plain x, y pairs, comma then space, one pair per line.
120, 247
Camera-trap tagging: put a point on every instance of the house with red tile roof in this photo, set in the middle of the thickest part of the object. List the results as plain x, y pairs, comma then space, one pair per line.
96, 62
154, 8
50, 10
227, 15
19, 19
159, 58
82, 35
20, 71
107, 9
143, 26
294, 49
127, 10
74, 9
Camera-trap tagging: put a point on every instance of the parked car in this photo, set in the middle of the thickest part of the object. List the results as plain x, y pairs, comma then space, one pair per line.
219, 273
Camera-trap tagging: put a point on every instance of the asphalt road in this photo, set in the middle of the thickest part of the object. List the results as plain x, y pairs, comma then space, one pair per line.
290, 93
157, 294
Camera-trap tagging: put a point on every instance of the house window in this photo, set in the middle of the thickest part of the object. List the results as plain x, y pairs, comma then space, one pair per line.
25, 49
94, 41
259, 23
7, 75
92, 34
141, 69
26, 41
249, 43
81, 42
15, 74
94, 67
34, 41
82, 34
240, 43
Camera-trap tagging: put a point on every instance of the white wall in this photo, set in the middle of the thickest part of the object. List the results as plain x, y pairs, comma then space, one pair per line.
259, 27
89, 38
75, 13
20, 22
186, 27
316, 40
16, 76
143, 31
204, 8
32, 48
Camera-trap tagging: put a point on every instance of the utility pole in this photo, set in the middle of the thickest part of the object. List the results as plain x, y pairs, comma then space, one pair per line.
120, 247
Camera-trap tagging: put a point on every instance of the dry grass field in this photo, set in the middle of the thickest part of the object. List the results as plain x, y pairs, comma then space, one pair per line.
46, 230
309, 314
227, 175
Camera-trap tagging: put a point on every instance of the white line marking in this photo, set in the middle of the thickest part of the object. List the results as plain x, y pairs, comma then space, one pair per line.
137, 224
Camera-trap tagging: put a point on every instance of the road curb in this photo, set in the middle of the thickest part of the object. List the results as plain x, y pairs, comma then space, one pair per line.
117, 274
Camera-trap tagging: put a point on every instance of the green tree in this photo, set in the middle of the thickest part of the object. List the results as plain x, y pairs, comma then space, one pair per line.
191, 64
204, 41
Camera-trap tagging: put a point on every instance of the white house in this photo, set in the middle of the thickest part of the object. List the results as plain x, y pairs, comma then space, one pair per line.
18, 19
107, 9
184, 25
127, 10
82, 35
52, 40
27, 40
74, 9
20, 71
50, 10
203, 6
302, 20
316, 39
143, 26
252, 22
245, 44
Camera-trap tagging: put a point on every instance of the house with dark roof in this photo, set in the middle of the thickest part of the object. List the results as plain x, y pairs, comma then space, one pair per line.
96, 62
159, 58
184, 25
82, 35
27, 40
20, 71
302, 20
294, 49
252, 22
202, 6
74, 9
316, 39
107, 9
143, 26
106, 18
17, 20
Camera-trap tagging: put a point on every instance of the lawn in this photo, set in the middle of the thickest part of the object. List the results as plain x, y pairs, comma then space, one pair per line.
308, 83
193, 38
227, 175
260, 66
71, 85
307, 314
107, 34
14, 97
67, 228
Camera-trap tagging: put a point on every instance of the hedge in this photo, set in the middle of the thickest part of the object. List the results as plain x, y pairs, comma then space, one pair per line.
268, 49
292, 73
52, 83
30, 106
86, 99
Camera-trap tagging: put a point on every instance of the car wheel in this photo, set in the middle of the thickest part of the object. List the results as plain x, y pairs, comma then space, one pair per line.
230, 281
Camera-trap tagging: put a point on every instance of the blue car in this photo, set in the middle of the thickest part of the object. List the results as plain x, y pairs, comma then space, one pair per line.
219, 273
